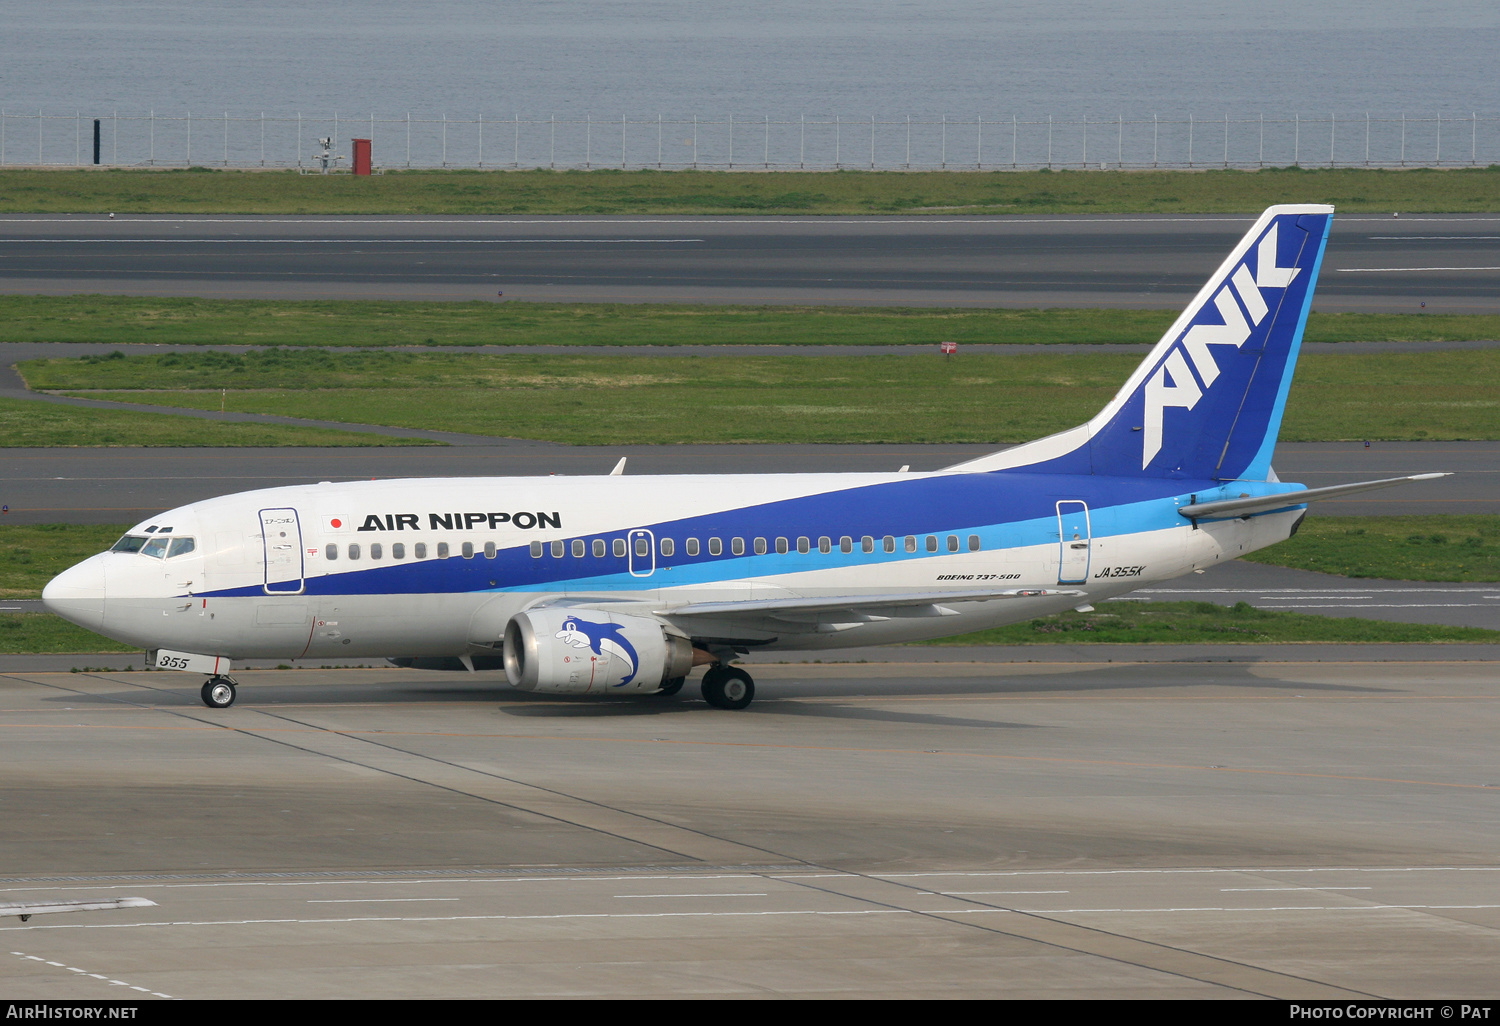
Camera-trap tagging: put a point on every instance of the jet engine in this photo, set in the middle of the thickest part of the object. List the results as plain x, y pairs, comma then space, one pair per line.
586, 651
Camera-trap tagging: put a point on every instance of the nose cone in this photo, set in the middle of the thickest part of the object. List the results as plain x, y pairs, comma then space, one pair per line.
77, 594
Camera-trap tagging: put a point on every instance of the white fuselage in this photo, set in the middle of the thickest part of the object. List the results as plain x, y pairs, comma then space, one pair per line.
425, 568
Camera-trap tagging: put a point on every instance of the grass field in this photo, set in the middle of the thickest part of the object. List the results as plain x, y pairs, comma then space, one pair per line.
33, 554
1197, 623
896, 398
25, 422
127, 320
709, 192
37, 633
1436, 547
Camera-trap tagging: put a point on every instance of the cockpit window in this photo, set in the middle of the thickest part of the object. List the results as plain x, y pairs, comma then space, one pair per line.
160, 547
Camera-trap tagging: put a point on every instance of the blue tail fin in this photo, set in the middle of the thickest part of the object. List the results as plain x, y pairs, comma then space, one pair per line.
1208, 400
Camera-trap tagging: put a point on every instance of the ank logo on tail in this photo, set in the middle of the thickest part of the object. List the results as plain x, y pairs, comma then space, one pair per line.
1173, 384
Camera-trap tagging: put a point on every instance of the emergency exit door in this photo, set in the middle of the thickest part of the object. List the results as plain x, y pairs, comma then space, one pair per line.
642, 553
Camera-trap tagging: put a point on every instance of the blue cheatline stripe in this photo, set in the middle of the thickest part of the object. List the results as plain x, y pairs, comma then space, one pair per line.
876, 510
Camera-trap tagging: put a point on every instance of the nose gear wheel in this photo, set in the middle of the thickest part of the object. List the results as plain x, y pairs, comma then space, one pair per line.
218, 692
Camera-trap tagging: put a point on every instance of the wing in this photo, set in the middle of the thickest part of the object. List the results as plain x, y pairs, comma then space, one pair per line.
820, 615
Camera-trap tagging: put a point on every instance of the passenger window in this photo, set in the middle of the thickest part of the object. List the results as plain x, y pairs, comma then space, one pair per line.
846, 544
536, 550
715, 547
911, 543
442, 552
667, 546
558, 549
825, 545
619, 548
692, 546
953, 543
599, 548
642, 545
760, 546
867, 544
932, 543
331, 552
180, 547
889, 544
579, 548
420, 550
375, 550
489, 550
354, 550
398, 550
468, 550
782, 545
155, 548
973, 543
737, 546
803, 545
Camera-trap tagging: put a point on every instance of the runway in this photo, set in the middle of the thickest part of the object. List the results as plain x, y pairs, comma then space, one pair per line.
1374, 263
1058, 829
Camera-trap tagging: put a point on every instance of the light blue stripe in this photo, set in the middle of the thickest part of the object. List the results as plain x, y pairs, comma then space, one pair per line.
1260, 466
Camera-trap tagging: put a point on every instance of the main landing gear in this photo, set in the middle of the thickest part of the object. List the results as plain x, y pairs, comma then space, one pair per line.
218, 692
727, 687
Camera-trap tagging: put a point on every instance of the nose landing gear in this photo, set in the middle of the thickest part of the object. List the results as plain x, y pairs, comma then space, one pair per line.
218, 692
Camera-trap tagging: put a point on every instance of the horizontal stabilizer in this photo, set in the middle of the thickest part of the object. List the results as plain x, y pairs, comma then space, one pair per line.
1261, 503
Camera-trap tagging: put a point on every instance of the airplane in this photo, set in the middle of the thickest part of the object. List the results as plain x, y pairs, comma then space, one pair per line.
615, 584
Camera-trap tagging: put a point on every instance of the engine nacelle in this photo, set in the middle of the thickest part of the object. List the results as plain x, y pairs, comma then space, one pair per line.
580, 652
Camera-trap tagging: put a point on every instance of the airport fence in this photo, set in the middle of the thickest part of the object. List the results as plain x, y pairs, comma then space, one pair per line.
748, 143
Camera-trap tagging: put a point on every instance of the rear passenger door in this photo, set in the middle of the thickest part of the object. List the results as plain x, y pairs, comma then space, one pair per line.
1074, 541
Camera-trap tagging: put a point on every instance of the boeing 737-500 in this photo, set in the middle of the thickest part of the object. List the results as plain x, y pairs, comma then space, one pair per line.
616, 584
